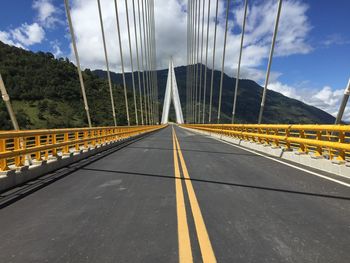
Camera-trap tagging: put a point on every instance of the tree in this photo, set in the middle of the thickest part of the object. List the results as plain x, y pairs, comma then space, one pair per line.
43, 105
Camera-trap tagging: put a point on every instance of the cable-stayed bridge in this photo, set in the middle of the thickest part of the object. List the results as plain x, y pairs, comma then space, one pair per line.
193, 191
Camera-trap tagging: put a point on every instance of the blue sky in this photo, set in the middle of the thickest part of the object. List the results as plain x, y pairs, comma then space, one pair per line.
314, 66
329, 62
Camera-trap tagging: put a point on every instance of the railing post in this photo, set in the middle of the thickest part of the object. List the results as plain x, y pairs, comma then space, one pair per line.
259, 138
22, 144
54, 141
17, 146
47, 141
93, 137
107, 132
65, 149
115, 136
246, 137
76, 144
99, 139
318, 151
243, 136
329, 136
276, 141
37, 144
3, 162
86, 136
267, 141
287, 133
103, 131
341, 153
302, 147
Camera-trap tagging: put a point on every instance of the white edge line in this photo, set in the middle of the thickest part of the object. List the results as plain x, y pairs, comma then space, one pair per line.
285, 163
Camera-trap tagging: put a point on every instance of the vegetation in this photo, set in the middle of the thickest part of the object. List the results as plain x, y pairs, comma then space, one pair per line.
45, 93
278, 109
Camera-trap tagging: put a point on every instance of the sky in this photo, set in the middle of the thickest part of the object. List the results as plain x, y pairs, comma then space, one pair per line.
311, 60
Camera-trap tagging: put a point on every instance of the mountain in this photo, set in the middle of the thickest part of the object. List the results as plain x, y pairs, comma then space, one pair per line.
45, 93
278, 108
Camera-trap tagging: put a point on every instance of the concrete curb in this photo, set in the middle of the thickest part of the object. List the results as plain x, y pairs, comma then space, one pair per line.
14, 178
342, 169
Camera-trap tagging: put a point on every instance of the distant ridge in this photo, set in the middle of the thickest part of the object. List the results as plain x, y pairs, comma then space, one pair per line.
279, 108
46, 94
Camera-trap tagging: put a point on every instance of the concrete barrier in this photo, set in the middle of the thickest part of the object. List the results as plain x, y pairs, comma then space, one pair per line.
330, 166
12, 178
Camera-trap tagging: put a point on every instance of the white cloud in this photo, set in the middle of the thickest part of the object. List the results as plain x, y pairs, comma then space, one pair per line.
285, 90
326, 98
56, 47
28, 34
24, 35
171, 26
6, 38
47, 13
335, 39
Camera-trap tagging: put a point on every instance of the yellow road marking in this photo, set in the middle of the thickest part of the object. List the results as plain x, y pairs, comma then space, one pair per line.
185, 251
207, 252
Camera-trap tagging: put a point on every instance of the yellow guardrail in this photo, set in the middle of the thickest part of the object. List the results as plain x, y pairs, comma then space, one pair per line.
16, 147
328, 141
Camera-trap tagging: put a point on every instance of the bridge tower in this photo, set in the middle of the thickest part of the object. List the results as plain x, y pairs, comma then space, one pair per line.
172, 94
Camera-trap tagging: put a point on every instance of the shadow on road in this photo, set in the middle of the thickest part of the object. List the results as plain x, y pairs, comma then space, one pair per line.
223, 183
191, 150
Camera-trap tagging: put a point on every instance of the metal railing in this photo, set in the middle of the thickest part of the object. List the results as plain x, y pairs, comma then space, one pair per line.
18, 147
327, 141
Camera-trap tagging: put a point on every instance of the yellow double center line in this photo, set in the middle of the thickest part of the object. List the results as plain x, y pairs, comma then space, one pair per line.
185, 249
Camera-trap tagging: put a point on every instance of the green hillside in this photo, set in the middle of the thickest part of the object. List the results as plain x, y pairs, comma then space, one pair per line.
46, 94
278, 109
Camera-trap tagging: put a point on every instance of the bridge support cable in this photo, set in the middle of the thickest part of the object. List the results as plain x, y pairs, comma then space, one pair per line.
343, 104
146, 62
190, 60
263, 99
188, 119
201, 67
122, 62
82, 86
7, 101
107, 63
239, 63
193, 59
197, 59
223, 61
213, 63
11, 113
151, 58
154, 56
137, 61
187, 53
205, 65
155, 63
142, 66
149, 61
148, 88
131, 63
198, 6
195, 62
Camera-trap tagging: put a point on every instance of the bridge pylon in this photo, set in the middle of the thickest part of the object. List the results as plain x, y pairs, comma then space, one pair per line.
172, 94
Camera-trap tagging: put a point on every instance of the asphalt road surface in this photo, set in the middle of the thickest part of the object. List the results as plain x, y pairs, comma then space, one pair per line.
176, 196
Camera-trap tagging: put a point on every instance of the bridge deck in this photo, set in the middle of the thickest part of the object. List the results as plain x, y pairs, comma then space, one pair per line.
126, 208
